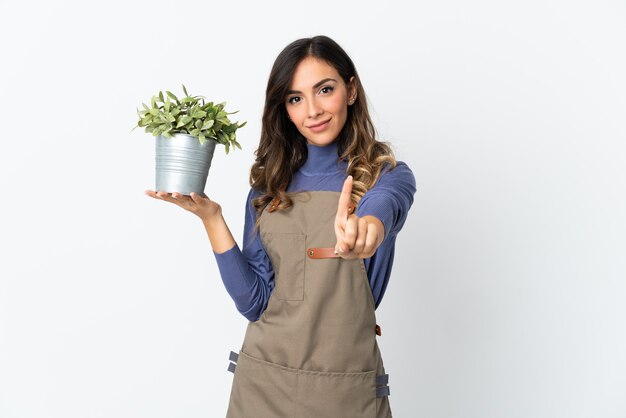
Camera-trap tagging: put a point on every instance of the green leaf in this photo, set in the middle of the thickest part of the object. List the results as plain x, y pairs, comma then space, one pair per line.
198, 114
201, 138
145, 107
161, 96
153, 102
171, 118
208, 124
226, 146
198, 124
167, 105
195, 132
172, 96
155, 112
185, 90
183, 120
237, 144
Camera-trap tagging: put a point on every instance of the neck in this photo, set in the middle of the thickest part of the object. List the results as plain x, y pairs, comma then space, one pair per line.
320, 159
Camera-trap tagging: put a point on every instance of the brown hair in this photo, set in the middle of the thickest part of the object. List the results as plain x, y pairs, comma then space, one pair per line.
282, 149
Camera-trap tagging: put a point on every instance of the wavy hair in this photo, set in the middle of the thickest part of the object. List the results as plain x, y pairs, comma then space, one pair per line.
282, 148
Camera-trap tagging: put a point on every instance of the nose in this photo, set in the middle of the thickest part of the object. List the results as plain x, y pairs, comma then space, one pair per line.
314, 108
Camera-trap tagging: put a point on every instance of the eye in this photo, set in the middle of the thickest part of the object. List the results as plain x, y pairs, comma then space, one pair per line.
294, 99
326, 89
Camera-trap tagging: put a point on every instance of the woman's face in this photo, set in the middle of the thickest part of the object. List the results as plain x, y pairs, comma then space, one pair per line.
317, 101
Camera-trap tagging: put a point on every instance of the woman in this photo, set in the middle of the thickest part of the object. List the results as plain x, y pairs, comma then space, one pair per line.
313, 269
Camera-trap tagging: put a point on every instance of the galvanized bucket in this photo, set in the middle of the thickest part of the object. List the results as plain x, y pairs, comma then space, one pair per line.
182, 163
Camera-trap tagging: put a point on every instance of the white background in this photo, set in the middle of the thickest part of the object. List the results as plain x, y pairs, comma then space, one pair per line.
507, 298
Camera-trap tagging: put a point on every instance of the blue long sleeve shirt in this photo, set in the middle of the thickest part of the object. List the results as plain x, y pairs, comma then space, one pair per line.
247, 273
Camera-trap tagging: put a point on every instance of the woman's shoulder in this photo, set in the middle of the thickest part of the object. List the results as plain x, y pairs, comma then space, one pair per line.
254, 193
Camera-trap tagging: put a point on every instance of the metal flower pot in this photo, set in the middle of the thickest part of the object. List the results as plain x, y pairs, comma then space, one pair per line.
182, 163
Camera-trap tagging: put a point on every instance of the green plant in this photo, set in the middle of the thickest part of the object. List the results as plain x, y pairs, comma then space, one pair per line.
189, 115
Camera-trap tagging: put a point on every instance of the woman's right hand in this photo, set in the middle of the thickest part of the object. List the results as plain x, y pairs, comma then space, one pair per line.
203, 207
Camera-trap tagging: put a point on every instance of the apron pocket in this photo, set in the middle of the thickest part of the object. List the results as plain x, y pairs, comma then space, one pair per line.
261, 389
322, 394
287, 251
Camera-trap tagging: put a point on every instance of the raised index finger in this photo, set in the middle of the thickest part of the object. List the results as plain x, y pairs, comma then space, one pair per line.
345, 199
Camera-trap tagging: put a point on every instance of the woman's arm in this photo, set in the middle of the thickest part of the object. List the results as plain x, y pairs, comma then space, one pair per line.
380, 213
389, 201
248, 276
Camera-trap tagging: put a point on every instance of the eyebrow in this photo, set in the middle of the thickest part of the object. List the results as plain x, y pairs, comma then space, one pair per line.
319, 83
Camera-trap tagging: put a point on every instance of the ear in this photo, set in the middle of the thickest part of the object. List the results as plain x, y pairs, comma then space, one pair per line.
351, 90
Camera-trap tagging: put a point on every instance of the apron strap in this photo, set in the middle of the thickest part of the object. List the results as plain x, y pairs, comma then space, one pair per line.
322, 252
382, 391
381, 380
274, 204
233, 357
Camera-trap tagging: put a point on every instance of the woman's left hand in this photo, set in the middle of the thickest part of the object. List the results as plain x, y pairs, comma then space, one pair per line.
356, 237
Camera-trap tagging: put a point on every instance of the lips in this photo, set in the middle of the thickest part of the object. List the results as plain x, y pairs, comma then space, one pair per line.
318, 125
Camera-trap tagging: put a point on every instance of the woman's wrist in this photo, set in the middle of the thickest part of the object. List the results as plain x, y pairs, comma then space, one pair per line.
219, 235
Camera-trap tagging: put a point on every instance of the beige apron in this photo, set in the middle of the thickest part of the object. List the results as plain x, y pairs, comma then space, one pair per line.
313, 353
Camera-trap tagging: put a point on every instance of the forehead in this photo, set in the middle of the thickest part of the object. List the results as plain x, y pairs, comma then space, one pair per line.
311, 70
